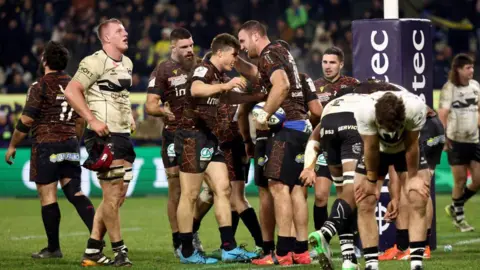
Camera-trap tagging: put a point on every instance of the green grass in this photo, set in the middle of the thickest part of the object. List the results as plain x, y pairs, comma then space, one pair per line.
147, 234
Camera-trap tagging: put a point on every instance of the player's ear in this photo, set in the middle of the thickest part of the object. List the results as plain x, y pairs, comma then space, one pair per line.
342, 64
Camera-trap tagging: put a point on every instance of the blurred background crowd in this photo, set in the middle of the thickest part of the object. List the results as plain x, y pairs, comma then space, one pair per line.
310, 26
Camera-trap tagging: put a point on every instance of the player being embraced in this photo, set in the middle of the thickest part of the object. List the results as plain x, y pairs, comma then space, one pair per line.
56, 130
327, 88
167, 85
459, 111
284, 150
99, 93
197, 149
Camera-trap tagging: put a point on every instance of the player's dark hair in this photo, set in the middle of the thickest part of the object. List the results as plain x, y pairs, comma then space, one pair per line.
459, 61
283, 43
179, 33
101, 27
254, 26
335, 51
224, 41
390, 112
372, 86
55, 56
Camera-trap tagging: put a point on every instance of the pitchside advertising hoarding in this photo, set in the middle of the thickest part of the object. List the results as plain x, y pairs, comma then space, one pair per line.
397, 51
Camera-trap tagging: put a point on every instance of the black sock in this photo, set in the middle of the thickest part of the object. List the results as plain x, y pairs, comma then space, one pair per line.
85, 210
228, 240
339, 216
235, 220
320, 215
402, 239
196, 225
94, 246
119, 246
187, 247
284, 245
300, 247
249, 218
429, 233
268, 247
467, 194
176, 240
51, 222
416, 251
371, 257
458, 209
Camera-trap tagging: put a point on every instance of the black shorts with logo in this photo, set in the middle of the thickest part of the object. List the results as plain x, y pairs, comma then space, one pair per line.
432, 140
236, 159
463, 153
285, 156
340, 138
50, 162
195, 149
169, 157
122, 146
260, 158
398, 161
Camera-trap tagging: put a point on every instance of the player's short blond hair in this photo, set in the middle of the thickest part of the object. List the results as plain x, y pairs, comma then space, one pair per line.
101, 27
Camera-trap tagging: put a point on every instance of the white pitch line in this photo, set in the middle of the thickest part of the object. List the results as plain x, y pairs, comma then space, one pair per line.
28, 237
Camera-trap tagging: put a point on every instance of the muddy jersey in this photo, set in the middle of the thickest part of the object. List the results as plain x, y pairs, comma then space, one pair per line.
327, 90
391, 142
308, 88
201, 112
106, 82
275, 57
54, 119
169, 81
462, 103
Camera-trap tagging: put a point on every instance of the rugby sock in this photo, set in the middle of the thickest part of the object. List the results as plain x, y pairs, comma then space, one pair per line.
416, 253
402, 239
51, 222
429, 233
249, 218
347, 248
196, 225
339, 216
94, 246
235, 220
320, 215
300, 247
467, 194
176, 240
187, 246
458, 209
371, 257
228, 240
119, 247
284, 245
268, 247
328, 230
85, 210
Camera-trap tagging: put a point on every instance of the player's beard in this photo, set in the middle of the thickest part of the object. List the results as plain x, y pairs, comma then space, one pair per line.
186, 63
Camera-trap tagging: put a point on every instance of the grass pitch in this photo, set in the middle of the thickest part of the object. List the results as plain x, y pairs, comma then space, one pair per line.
147, 233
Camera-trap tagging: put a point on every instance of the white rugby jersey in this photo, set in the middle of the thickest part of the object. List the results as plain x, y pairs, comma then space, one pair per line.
462, 103
106, 82
391, 142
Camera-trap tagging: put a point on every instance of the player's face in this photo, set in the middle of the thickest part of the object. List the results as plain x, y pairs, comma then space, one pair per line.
229, 57
118, 36
331, 66
183, 49
247, 43
466, 72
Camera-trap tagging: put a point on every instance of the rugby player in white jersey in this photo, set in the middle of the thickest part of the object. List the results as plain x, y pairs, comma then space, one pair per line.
99, 93
459, 114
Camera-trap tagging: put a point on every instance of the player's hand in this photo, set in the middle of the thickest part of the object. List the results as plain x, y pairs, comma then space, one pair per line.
236, 82
133, 125
365, 189
308, 177
10, 154
417, 184
99, 127
168, 112
392, 211
448, 145
260, 126
250, 149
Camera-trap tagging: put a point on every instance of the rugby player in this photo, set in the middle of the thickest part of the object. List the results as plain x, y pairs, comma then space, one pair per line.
56, 130
197, 149
99, 94
327, 88
458, 112
284, 151
167, 86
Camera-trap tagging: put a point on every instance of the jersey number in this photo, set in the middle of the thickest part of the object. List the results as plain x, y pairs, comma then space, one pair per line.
180, 92
298, 85
64, 111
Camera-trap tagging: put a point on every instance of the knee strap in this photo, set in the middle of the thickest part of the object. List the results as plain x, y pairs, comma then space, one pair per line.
128, 175
173, 175
113, 173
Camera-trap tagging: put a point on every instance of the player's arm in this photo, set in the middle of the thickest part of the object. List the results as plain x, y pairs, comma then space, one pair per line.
201, 89
312, 149
413, 126
365, 117
243, 124
247, 69
278, 93
446, 96
314, 105
234, 97
153, 106
22, 129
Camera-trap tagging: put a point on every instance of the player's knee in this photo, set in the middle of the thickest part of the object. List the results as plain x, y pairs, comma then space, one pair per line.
417, 202
223, 191
321, 197
70, 190
367, 205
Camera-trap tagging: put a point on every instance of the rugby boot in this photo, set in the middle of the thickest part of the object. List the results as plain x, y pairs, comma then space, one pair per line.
46, 254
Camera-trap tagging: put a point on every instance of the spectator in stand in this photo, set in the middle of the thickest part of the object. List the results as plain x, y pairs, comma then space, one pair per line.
18, 86
6, 129
297, 15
